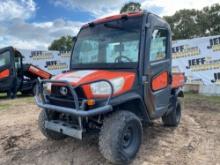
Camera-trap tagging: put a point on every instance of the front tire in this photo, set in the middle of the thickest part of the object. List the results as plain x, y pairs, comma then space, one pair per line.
120, 137
48, 133
173, 118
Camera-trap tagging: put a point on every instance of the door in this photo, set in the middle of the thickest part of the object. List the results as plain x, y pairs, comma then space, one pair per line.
7, 68
158, 67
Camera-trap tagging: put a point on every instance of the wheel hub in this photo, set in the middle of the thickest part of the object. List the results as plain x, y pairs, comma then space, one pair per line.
127, 137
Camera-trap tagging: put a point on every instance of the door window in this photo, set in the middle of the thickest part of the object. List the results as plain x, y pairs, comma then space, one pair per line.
158, 47
17, 62
4, 58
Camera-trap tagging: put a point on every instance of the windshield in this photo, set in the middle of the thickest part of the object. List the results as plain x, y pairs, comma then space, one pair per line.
114, 43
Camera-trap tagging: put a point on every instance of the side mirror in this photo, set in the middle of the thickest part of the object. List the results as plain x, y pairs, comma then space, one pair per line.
74, 39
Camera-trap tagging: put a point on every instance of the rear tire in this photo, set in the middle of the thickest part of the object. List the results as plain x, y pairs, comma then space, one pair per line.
173, 118
120, 137
48, 133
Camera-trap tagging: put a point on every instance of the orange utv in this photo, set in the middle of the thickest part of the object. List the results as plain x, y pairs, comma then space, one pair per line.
120, 78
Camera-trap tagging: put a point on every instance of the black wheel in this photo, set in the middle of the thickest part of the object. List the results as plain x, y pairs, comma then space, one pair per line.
26, 92
120, 137
34, 89
48, 133
173, 118
8, 94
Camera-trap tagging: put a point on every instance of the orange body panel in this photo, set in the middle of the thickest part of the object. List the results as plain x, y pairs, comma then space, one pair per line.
178, 80
77, 78
160, 81
116, 17
39, 72
81, 77
5, 73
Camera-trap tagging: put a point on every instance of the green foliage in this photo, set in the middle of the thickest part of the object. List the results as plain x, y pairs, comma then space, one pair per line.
131, 7
195, 23
185, 24
64, 43
211, 19
192, 97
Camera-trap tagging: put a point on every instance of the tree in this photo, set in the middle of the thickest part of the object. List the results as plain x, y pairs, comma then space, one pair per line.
64, 43
131, 7
211, 20
195, 23
184, 24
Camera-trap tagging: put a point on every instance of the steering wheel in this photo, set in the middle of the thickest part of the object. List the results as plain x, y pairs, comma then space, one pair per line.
119, 59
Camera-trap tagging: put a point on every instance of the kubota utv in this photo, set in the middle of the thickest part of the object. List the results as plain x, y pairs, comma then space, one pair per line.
15, 74
120, 78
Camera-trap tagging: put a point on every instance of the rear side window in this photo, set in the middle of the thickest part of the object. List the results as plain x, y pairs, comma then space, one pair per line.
4, 58
159, 43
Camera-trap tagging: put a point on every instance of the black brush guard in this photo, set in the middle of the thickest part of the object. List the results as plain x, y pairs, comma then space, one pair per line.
79, 110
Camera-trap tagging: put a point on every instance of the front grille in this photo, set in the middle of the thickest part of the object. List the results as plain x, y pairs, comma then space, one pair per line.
55, 92
56, 98
61, 102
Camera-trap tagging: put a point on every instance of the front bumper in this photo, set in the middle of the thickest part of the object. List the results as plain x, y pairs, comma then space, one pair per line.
78, 111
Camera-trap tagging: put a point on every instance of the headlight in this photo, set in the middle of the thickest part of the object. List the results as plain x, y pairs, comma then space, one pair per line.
103, 88
48, 86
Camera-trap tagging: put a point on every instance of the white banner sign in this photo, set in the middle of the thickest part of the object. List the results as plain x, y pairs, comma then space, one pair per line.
199, 59
52, 61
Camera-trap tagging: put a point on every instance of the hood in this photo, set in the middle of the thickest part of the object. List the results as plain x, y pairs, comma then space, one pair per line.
84, 76
76, 78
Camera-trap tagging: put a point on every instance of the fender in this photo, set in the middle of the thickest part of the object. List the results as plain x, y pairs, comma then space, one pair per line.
130, 99
179, 93
173, 100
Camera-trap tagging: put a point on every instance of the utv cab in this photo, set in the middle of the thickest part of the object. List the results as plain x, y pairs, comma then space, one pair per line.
120, 79
14, 75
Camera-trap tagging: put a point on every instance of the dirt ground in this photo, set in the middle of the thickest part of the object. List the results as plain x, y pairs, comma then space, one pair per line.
195, 141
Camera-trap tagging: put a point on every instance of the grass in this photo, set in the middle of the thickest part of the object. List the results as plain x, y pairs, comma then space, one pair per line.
193, 96
2, 95
4, 106
21, 100
6, 103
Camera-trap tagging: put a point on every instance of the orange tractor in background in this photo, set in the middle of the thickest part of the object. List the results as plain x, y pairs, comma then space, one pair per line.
16, 75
